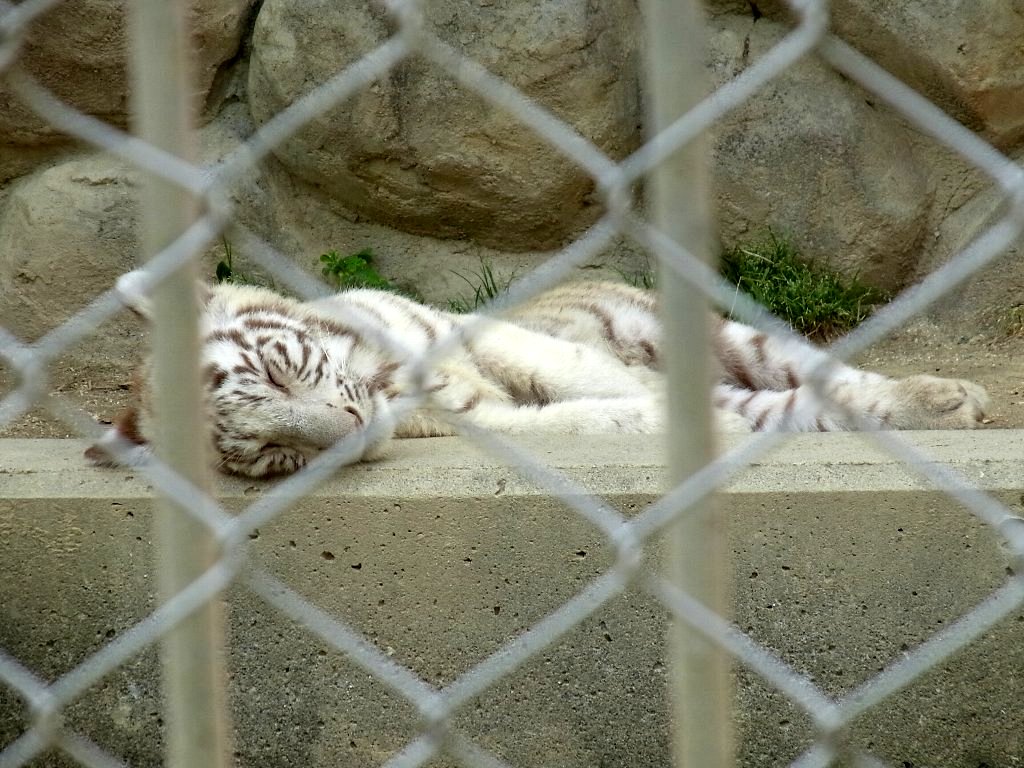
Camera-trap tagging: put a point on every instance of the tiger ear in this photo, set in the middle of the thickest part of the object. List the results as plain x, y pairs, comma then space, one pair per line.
132, 288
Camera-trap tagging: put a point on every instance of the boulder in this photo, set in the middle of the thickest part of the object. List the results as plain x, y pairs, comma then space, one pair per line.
967, 57
421, 153
78, 50
813, 156
66, 234
991, 302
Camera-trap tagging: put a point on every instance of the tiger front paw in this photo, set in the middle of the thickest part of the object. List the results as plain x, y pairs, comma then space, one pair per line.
271, 461
634, 415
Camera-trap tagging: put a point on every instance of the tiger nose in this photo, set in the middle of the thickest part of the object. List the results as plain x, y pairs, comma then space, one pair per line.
352, 411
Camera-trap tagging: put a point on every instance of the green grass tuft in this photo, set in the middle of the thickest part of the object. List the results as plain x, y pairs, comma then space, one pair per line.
225, 272
485, 285
644, 277
817, 303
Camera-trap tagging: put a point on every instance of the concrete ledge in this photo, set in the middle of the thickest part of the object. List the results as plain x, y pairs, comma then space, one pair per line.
842, 560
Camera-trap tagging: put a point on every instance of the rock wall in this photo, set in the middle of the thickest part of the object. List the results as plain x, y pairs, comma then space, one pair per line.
434, 178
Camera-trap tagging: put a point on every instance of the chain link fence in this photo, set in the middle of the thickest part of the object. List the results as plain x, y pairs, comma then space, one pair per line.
194, 590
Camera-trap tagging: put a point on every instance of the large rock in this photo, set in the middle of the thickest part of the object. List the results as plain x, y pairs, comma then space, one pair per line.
966, 56
813, 156
419, 152
66, 234
991, 302
79, 51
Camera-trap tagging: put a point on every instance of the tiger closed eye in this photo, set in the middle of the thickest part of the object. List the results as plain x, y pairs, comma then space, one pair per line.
276, 378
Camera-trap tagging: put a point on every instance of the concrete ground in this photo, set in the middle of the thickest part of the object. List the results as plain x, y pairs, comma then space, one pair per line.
843, 562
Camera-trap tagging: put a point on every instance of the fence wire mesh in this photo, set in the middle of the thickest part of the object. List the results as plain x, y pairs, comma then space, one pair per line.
628, 537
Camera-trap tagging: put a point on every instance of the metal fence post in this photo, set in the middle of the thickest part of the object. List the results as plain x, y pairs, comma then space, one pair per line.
197, 727
680, 188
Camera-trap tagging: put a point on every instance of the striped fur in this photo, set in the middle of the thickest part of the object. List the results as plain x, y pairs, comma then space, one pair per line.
283, 380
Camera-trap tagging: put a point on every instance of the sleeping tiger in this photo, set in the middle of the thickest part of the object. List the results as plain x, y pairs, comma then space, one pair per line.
284, 379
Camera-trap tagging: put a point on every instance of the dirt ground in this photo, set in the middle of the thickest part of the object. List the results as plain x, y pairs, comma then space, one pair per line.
996, 364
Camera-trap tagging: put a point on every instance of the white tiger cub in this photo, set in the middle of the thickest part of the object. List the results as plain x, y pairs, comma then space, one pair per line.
285, 379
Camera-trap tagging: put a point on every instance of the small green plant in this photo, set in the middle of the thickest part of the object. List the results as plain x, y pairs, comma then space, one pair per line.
485, 285
353, 271
817, 303
357, 271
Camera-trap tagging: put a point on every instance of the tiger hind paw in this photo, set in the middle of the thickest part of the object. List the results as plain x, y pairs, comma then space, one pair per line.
930, 402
